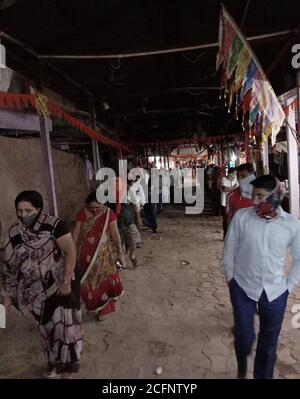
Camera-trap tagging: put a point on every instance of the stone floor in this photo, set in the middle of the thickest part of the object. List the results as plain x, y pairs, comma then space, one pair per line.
175, 314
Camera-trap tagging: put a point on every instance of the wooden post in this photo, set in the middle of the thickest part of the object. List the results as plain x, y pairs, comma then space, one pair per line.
48, 166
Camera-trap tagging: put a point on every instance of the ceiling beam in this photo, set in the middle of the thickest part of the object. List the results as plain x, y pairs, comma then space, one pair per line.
155, 52
18, 43
163, 111
286, 47
175, 90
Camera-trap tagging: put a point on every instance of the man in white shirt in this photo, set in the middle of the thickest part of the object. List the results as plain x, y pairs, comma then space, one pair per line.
228, 184
253, 262
136, 194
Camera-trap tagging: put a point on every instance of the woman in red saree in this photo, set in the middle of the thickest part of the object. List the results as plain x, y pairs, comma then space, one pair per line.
100, 282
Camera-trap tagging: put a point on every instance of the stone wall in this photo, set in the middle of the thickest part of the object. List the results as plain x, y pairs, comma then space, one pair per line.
21, 168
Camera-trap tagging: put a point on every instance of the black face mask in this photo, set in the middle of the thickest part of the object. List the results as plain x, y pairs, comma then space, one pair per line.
28, 220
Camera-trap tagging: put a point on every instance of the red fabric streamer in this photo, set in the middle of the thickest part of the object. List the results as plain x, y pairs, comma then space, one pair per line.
17, 100
13, 101
10, 101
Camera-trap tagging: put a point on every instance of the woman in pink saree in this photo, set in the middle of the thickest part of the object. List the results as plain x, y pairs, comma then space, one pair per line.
96, 225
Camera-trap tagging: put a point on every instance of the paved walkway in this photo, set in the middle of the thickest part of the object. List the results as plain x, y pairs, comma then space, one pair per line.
175, 314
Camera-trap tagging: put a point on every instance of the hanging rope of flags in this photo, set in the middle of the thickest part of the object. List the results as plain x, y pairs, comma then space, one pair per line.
77, 124
243, 79
20, 101
47, 108
40, 103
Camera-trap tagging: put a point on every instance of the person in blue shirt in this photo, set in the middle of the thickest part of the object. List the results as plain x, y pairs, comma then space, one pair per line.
253, 262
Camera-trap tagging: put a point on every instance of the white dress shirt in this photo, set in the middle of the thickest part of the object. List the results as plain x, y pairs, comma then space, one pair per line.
136, 194
255, 250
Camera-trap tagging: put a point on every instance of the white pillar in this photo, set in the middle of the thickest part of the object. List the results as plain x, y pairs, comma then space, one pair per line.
48, 165
265, 157
293, 163
95, 143
96, 155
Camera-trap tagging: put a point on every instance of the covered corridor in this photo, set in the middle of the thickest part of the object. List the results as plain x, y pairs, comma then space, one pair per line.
175, 314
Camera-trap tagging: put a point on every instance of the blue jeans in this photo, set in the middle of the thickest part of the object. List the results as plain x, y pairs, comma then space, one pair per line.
271, 315
148, 216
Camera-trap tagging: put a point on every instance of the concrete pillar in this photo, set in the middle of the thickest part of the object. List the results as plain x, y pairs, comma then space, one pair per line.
96, 155
293, 162
48, 165
95, 144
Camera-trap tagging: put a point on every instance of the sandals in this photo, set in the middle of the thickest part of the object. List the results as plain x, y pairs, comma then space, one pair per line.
100, 317
50, 372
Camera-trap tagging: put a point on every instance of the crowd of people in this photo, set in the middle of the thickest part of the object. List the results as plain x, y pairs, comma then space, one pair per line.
50, 270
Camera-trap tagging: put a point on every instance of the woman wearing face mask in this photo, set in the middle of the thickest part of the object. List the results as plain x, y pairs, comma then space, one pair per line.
40, 259
100, 282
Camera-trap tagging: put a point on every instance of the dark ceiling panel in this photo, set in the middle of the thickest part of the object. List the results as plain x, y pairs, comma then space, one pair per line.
121, 26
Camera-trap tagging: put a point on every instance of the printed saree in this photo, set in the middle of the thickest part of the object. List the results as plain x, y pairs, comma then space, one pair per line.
34, 267
101, 286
